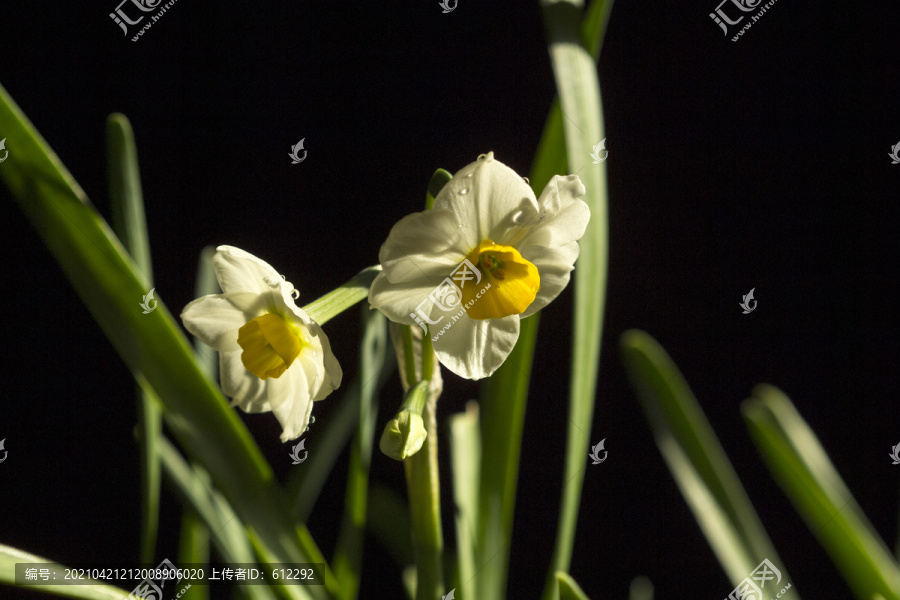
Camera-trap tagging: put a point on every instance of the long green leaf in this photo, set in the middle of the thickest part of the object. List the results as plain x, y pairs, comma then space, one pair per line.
347, 562
696, 459
130, 225
465, 447
152, 345
803, 470
9, 556
192, 485
568, 588
578, 87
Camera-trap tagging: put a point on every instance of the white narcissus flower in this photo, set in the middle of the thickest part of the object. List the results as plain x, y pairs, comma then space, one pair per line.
487, 254
272, 356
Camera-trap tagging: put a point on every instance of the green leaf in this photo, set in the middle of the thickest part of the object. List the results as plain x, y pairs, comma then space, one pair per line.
193, 487
803, 470
389, 523
152, 345
567, 587
696, 459
437, 183
130, 226
347, 562
465, 448
578, 87
9, 556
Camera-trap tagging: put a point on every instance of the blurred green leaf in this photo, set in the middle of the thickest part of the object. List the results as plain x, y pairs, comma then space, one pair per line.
389, 523
696, 459
567, 588
803, 470
465, 449
152, 345
437, 183
578, 86
9, 556
129, 224
347, 561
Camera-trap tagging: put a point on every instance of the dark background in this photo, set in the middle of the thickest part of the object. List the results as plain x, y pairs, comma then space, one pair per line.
757, 164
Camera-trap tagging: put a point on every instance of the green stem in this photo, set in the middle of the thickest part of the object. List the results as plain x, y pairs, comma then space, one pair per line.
337, 301
424, 490
423, 485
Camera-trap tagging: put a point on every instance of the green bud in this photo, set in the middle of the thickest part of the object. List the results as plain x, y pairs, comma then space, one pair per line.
404, 435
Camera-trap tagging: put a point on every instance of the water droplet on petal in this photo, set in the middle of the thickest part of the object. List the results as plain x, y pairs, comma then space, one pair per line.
312, 420
283, 278
525, 179
482, 156
295, 294
463, 191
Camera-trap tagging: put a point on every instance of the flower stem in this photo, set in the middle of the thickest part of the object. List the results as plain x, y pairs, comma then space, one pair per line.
424, 491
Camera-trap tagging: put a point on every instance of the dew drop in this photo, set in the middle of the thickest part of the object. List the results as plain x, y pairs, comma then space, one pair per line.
312, 420
482, 156
525, 179
295, 294
283, 278
463, 191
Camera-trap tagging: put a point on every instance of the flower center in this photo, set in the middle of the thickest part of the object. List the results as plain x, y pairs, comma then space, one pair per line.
508, 285
270, 345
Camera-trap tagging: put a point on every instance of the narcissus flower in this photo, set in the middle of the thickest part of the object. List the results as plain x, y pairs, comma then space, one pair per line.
487, 254
272, 356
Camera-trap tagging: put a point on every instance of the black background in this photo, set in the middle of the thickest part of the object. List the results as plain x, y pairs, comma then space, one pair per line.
761, 163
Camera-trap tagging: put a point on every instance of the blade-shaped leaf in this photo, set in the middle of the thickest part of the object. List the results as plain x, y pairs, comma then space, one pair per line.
803, 470
110, 285
696, 459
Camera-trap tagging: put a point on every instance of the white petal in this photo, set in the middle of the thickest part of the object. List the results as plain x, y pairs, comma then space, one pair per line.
247, 391
562, 218
398, 300
423, 244
215, 320
291, 403
555, 267
489, 199
240, 271
474, 349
